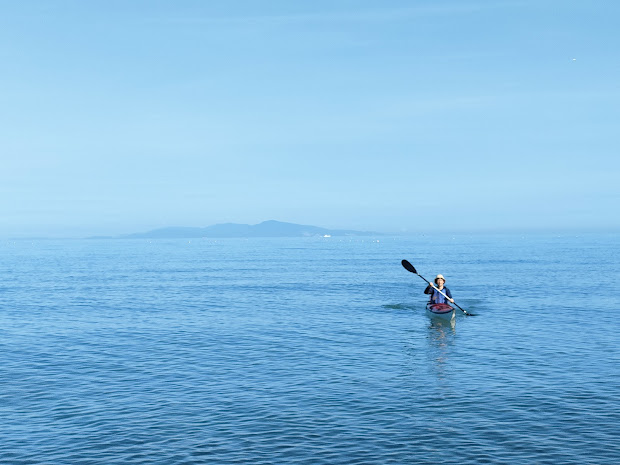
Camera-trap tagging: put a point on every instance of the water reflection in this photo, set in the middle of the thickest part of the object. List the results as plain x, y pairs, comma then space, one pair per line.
440, 328
441, 337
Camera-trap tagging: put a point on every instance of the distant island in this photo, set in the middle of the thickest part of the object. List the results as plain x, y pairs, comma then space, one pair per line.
269, 228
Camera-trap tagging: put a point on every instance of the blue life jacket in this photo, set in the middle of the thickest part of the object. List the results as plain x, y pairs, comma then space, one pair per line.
436, 297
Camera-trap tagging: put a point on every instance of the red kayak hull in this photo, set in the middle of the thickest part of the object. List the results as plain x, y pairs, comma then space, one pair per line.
440, 310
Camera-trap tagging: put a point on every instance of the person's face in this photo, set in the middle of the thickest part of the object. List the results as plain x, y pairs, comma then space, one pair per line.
440, 282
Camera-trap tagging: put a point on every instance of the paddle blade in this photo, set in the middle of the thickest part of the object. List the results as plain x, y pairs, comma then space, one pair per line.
408, 266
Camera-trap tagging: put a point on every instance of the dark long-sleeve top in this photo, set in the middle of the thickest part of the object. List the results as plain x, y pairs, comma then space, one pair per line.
436, 297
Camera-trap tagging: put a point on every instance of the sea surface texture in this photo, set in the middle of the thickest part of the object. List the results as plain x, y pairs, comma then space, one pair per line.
310, 351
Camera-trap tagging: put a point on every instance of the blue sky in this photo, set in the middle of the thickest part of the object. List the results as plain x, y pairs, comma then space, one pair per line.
124, 116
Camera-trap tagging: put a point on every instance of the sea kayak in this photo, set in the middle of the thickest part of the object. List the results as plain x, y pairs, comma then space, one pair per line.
443, 311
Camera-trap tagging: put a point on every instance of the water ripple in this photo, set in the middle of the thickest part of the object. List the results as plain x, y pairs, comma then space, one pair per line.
229, 352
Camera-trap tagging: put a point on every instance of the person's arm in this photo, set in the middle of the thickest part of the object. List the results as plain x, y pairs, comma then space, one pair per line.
449, 295
429, 289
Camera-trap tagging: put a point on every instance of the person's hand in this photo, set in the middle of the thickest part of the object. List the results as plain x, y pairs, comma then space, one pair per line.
451, 300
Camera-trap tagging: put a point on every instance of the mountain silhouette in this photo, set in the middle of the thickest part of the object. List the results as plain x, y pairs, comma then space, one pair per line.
269, 228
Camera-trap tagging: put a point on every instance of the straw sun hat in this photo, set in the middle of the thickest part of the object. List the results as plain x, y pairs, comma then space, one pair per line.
440, 276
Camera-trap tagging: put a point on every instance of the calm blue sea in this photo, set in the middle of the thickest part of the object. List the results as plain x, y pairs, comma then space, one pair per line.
310, 351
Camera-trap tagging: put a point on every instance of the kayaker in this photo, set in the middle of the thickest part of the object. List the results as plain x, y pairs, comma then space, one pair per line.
436, 297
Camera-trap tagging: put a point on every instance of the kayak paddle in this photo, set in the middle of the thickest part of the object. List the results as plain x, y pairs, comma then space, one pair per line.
409, 267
